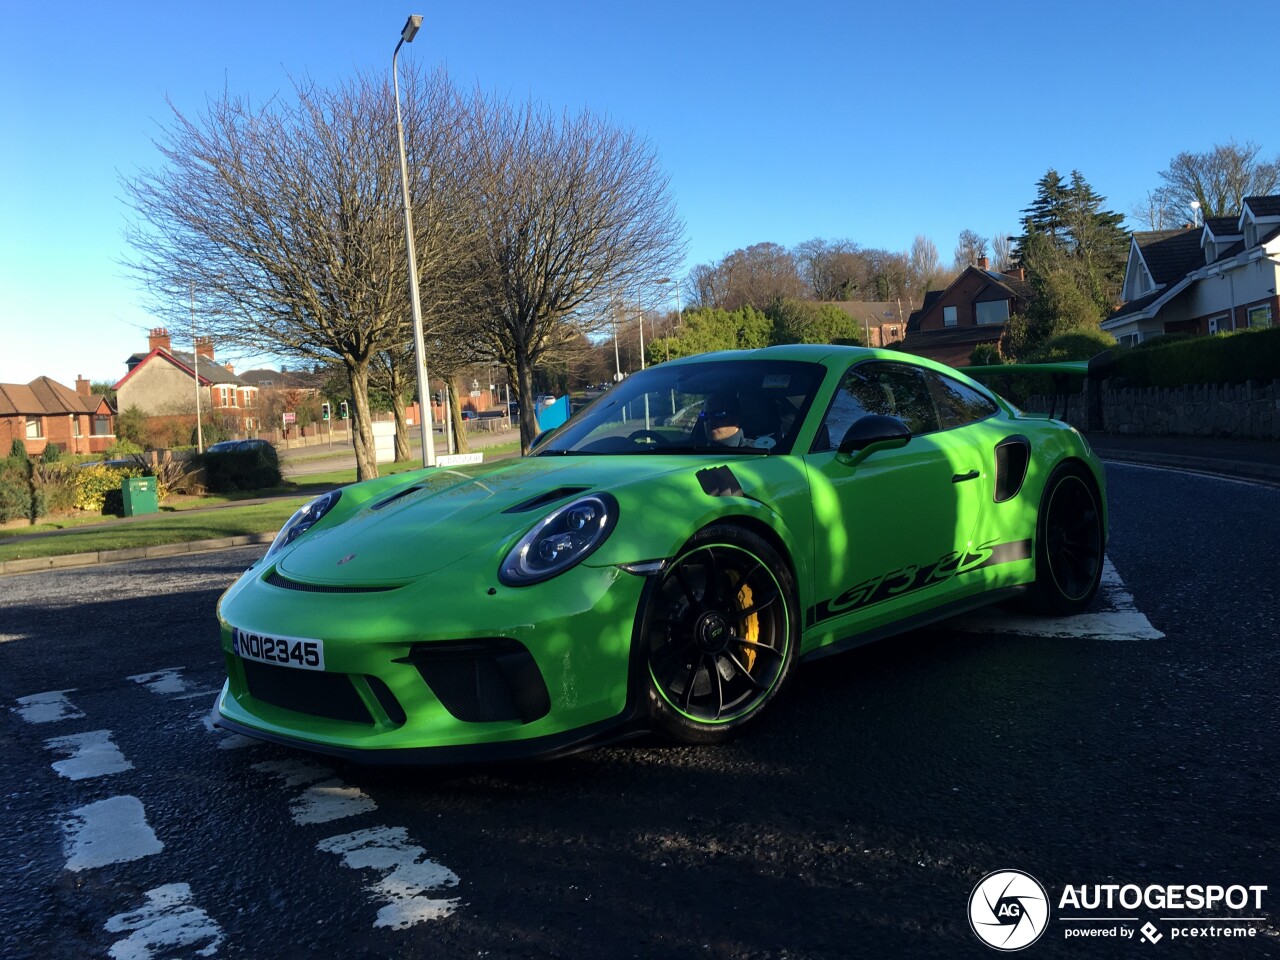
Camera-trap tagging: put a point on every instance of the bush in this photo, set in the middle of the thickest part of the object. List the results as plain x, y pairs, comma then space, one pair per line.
98, 488
57, 485
254, 469
17, 450
1073, 345
121, 449
1226, 358
15, 498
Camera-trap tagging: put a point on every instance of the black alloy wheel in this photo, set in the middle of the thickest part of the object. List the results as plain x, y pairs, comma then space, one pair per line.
1069, 543
719, 635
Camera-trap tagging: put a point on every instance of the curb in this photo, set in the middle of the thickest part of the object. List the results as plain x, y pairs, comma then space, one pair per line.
39, 564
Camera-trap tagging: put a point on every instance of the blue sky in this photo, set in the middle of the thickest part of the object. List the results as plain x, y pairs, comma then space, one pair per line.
776, 122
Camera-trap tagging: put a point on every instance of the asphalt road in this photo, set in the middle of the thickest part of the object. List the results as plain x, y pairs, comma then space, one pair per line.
854, 821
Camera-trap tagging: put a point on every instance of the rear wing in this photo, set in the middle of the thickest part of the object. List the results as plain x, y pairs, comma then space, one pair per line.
1061, 372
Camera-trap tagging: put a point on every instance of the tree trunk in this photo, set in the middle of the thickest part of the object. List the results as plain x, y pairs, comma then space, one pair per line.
403, 452
362, 421
455, 414
528, 414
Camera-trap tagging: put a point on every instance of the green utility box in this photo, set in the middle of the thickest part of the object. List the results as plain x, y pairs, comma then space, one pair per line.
140, 495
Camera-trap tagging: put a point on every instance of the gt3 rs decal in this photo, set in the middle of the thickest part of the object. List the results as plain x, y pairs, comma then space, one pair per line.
914, 577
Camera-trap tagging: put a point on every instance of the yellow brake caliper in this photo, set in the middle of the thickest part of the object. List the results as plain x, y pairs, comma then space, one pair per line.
749, 629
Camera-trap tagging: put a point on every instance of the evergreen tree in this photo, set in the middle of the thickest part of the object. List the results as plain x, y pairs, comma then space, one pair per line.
1073, 251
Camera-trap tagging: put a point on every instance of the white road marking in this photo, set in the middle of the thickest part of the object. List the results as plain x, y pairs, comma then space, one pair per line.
408, 874
331, 800
294, 772
48, 707
168, 920
226, 739
91, 754
166, 682
106, 832
1118, 619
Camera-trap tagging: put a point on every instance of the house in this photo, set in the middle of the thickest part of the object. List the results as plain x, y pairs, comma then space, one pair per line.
1214, 279
162, 383
45, 412
974, 309
879, 322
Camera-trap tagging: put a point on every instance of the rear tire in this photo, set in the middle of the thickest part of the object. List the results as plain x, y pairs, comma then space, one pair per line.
719, 635
1069, 542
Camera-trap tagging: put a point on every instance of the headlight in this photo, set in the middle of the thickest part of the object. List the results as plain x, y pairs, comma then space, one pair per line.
566, 537
303, 520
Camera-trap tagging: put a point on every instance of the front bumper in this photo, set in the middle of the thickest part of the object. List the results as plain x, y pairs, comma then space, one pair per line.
451, 668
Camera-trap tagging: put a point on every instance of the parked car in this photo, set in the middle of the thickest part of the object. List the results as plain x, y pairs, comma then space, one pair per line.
227, 446
649, 569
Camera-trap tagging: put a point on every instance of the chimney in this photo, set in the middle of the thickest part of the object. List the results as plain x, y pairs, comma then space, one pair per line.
204, 347
982, 263
82, 386
1020, 273
158, 339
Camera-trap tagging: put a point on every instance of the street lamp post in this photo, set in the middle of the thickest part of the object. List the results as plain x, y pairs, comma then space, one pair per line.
419, 346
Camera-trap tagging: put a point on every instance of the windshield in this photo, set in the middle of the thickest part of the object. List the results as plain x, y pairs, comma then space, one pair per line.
747, 406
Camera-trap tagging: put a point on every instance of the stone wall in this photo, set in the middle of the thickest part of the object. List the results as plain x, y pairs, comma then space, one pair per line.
1247, 410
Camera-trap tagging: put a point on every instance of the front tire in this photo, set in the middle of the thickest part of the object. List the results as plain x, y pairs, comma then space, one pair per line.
1069, 542
719, 635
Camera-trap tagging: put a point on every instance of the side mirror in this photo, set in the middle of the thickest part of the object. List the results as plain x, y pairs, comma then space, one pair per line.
539, 440
869, 434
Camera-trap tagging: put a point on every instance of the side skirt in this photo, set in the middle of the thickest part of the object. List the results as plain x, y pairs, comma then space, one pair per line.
944, 612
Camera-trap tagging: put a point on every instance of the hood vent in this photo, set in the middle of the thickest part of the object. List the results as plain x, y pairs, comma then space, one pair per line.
394, 497
543, 499
276, 579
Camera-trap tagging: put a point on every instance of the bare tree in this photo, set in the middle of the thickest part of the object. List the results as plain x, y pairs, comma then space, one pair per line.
830, 268
570, 208
1218, 180
924, 268
969, 248
1002, 252
286, 223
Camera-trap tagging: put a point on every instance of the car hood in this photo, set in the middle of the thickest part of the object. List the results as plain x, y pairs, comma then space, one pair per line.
445, 516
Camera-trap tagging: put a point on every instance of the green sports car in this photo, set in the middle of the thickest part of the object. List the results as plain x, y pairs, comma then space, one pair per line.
660, 562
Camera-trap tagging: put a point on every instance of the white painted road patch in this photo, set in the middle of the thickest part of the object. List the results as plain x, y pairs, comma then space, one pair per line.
92, 754
109, 831
48, 707
169, 682
331, 800
169, 920
408, 874
1115, 618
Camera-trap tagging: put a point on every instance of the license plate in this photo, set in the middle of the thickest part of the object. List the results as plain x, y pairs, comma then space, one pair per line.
281, 651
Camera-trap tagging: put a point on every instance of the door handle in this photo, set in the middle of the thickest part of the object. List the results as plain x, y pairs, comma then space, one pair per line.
962, 477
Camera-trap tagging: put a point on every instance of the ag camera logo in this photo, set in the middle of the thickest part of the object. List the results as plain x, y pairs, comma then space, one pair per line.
1008, 910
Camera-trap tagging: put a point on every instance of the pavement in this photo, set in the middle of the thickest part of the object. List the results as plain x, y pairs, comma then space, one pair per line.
1252, 460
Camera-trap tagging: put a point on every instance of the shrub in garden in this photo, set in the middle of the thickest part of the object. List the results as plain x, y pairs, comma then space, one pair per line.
96, 485
228, 471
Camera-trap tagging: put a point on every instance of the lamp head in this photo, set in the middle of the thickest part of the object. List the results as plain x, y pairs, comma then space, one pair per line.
411, 28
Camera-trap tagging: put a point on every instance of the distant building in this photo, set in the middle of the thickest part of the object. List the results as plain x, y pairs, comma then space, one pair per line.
880, 323
1221, 277
162, 383
974, 309
45, 412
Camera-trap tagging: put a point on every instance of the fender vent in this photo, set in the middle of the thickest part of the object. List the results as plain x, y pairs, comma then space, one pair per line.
1012, 456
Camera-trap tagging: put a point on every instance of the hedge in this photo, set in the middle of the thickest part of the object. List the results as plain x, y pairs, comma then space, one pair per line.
1226, 358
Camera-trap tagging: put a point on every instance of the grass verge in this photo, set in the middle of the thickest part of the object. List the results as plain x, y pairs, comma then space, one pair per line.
163, 528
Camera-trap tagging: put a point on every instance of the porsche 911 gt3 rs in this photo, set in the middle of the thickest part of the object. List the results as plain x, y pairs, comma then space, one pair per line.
660, 562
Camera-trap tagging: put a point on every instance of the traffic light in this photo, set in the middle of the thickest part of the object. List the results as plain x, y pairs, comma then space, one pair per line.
342, 410
324, 410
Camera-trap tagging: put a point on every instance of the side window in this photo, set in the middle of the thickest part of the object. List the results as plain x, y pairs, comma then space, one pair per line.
886, 389
956, 403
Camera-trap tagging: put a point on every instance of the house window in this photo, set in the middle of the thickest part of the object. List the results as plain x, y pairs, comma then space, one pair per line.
101, 425
993, 311
75, 426
35, 428
1260, 316
949, 316
1219, 324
